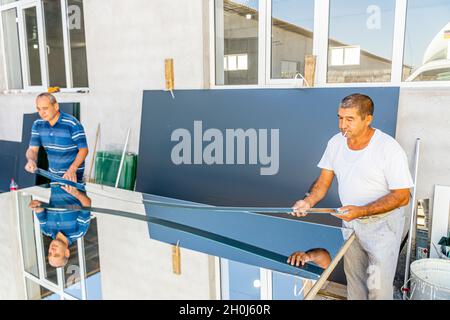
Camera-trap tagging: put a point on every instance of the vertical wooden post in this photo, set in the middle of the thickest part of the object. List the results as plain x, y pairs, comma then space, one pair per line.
170, 78
310, 69
176, 259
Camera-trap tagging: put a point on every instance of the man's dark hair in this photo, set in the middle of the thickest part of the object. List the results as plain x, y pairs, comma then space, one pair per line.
47, 95
363, 103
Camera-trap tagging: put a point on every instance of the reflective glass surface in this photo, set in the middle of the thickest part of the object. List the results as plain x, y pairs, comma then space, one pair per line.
126, 228
360, 41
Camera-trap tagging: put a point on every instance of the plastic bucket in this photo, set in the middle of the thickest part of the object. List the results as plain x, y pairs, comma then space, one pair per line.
430, 280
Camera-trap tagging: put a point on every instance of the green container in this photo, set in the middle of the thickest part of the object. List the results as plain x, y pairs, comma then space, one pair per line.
107, 167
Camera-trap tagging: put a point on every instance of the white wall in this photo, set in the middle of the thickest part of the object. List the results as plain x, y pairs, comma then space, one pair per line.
425, 114
11, 281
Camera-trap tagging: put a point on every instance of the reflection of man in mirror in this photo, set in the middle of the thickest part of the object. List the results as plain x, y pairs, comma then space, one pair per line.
319, 256
64, 226
374, 181
63, 138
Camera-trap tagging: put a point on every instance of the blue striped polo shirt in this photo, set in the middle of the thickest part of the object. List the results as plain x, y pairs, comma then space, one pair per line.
72, 223
61, 142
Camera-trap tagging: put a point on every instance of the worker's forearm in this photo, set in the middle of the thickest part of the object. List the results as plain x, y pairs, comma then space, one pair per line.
81, 156
85, 200
317, 193
385, 204
31, 155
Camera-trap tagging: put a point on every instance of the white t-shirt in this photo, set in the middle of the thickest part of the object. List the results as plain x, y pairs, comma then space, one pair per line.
366, 175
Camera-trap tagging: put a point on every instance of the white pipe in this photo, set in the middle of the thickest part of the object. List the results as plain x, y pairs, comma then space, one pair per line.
123, 157
412, 224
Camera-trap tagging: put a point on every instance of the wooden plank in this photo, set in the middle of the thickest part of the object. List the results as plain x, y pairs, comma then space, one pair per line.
170, 77
310, 69
176, 259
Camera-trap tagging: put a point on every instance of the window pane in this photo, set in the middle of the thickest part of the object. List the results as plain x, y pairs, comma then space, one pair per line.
361, 39
50, 272
240, 281
427, 42
32, 42
236, 42
292, 36
12, 49
27, 233
287, 287
55, 43
91, 252
72, 275
75, 14
36, 292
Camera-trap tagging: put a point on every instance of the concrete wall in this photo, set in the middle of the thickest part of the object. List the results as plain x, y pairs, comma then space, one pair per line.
135, 267
11, 282
425, 114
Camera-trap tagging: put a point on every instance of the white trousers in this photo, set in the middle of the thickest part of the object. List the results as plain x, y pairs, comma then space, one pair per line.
371, 261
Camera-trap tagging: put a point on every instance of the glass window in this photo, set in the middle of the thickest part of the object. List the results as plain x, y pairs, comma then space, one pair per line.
50, 272
287, 287
92, 258
72, 275
361, 41
65, 63
236, 24
240, 281
32, 47
12, 49
37, 292
427, 41
75, 19
55, 43
292, 37
6, 1
27, 232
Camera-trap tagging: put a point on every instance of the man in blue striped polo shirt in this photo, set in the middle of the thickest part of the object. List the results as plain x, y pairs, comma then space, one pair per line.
63, 138
64, 226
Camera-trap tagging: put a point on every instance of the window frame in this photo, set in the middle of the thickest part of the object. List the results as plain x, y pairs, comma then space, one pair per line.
20, 6
320, 50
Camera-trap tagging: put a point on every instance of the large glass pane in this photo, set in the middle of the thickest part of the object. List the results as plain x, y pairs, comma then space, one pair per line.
27, 233
12, 49
240, 281
427, 41
32, 42
236, 42
76, 25
361, 40
37, 292
55, 43
292, 36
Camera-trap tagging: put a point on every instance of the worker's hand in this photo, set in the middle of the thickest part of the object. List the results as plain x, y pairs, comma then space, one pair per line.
299, 259
36, 206
31, 166
70, 175
349, 213
70, 190
300, 208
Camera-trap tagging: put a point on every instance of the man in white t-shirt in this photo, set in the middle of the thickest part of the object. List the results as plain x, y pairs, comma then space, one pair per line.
374, 183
